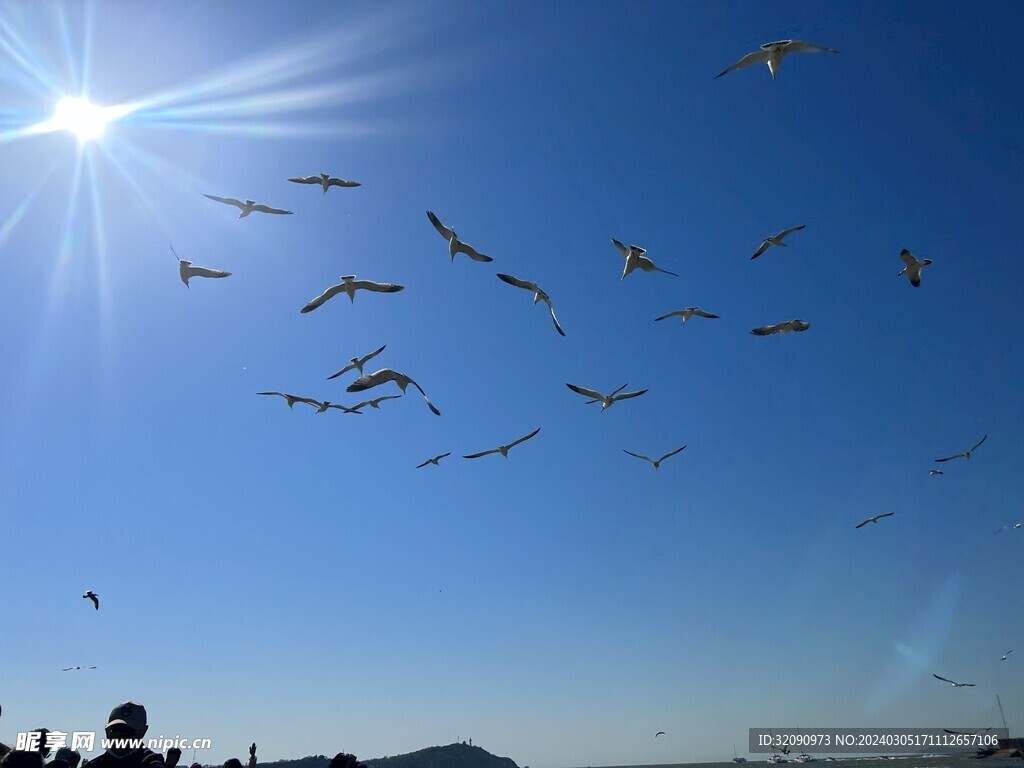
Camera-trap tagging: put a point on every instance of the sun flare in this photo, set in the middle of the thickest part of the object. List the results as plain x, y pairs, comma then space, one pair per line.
87, 121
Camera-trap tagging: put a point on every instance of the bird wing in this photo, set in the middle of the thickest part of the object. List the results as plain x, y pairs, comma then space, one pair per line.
267, 209
979, 442
950, 458
627, 395
863, 524
746, 61
799, 46
342, 183
345, 408
306, 180
670, 314
585, 391
330, 293
369, 285
444, 231
371, 380
649, 266
67, 669
701, 313
344, 370
767, 330
622, 249
519, 283
554, 319
763, 247
421, 466
789, 231
430, 405
469, 250
207, 272
677, 450
482, 453
229, 200
637, 455
281, 394
524, 439
907, 258
887, 514
801, 325
943, 679
386, 397
659, 733
372, 355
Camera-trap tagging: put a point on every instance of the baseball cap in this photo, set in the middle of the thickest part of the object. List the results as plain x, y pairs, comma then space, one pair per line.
130, 713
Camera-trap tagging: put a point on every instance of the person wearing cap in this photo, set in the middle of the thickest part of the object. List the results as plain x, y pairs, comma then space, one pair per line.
127, 721
66, 758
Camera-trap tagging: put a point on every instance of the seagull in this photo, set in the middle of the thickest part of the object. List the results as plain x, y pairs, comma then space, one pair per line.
954, 684
1014, 526
538, 295
874, 519
776, 240
606, 401
635, 259
1005, 655
503, 449
454, 244
687, 313
912, 267
434, 460
325, 181
385, 375
785, 327
657, 463
933, 472
375, 403
357, 363
659, 733
68, 669
247, 207
773, 53
293, 399
94, 597
350, 285
186, 270
965, 454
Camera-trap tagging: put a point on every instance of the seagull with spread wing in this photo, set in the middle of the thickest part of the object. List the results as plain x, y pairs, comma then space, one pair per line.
874, 519
635, 259
952, 682
356, 364
654, 463
912, 267
934, 472
375, 403
385, 375
1011, 526
965, 454
434, 460
687, 313
772, 54
784, 327
90, 595
293, 399
454, 244
349, 285
187, 271
503, 449
325, 180
247, 207
538, 295
1005, 655
606, 401
776, 240
68, 669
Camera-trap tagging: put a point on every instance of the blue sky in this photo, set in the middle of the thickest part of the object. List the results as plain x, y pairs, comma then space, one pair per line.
291, 578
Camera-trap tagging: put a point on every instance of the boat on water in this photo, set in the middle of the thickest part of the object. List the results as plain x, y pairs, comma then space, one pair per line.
777, 758
803, 757
736, 758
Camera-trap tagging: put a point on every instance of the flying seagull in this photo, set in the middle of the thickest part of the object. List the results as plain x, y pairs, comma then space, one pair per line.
912, 267
454, 244
375, 403
357, 363
773, 53
659, 733
434, 460
247, 207
654, 463
293, 399
1014, 526
776, 240
385, 375
785, 327
187, 271
325, 181
538, 295
933, 472
503, 449
687, 313
965, 454
951, 682
350, 285
968, 733
1005, 655
606, 401
635, 259
68, 669
89, 594
874, 519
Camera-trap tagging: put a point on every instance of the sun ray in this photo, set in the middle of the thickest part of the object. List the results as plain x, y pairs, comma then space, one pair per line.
140, 193
105, 305
12, 44
69, 56
19, 212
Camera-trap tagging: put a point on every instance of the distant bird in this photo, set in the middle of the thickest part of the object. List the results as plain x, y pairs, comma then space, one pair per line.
325, 181
375, 403
503, 449
659, 733
606, 401
1005, 655
90, 595
635, 259
293, 399
357, 363
776, 240
434, 460
933, 472
247, 207
687, 313
385, 375
187, 271
874, 519
454, 244
951, 682
785, 327
654, 463
538, 295
1014, 526
965, 454
912, 267
349, 285
772, 54
68, 669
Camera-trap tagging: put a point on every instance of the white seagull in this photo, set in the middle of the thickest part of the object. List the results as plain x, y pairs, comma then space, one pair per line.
654, 463
385, 375
773, 53
635, 259
1014, 526
357, 363
912, 267
687, 313
606, 401
434, 460
785, 327
951, 682
187, 271
375, 403
965, 454
1005, 655
776, 240
538, 295
247, 207
933, 472
68, 669
325, 181
349, 285
503, 449
874, 519
454, 244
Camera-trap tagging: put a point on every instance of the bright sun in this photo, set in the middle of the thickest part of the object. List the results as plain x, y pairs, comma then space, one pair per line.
85, 120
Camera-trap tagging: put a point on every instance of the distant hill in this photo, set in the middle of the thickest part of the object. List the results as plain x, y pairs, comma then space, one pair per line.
450, 756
